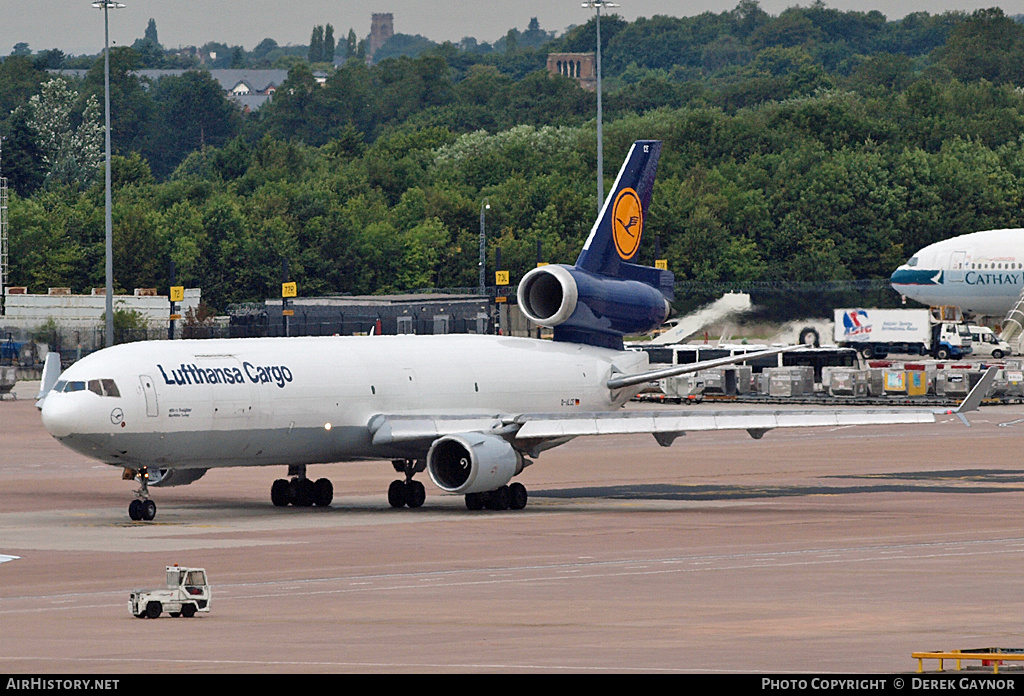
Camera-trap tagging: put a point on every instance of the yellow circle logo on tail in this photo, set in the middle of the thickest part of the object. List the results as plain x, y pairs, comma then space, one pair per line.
627, 223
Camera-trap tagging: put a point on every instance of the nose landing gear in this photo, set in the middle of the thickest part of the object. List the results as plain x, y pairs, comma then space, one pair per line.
142, 508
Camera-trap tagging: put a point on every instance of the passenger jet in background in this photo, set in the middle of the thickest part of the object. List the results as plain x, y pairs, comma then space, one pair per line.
982, 273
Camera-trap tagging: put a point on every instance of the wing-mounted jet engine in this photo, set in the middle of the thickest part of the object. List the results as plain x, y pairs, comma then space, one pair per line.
604, 297
480, 466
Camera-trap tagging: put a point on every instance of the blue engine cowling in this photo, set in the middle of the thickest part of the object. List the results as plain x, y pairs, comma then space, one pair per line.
584, 307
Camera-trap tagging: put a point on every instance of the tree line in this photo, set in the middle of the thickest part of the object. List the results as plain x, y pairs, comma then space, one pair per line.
785, 159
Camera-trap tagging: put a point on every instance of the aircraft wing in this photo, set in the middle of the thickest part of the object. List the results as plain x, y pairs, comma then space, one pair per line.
756, 422
535, 432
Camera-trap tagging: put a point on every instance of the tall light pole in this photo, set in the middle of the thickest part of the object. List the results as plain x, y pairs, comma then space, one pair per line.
484, 206
107, 5
597, 5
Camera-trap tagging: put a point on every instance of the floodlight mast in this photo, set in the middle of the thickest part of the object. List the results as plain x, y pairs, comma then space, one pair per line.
597, 5
484, 206
107, 5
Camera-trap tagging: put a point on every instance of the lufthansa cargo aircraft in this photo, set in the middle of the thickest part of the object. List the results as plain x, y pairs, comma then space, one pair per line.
982, 273
473, 411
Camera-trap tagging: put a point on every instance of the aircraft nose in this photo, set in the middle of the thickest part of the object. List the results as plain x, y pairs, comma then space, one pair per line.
60, 416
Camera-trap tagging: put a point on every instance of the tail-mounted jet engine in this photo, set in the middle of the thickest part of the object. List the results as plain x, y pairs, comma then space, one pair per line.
472, 462
591, 308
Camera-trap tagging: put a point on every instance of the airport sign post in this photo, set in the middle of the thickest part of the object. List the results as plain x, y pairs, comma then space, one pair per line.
177, 294
287, 290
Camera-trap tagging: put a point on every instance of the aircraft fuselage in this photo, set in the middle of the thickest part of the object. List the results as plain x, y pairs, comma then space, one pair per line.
236, 402
982, 272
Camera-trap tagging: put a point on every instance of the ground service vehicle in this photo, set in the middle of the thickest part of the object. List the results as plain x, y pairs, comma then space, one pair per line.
874, 333
986, 343
186, 593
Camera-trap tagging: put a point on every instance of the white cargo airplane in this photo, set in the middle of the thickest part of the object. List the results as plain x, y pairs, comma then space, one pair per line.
982, 273
473, 411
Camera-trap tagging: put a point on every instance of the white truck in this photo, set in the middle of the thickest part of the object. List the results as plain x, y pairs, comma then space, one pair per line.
187, 592
874, 333
985, 342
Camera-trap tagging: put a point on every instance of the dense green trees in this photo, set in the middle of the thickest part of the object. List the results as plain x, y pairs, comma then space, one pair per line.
814, 145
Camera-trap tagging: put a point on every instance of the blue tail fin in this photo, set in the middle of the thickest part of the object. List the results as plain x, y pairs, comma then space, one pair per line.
604, 297
615, 238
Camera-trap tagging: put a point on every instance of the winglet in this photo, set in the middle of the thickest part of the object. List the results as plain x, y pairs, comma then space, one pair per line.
975, 396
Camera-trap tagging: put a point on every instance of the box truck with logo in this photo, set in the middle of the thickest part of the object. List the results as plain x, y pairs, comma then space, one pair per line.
875, 333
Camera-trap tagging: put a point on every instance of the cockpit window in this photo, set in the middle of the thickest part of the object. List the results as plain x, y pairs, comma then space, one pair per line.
103, 387
100, 387
912, 262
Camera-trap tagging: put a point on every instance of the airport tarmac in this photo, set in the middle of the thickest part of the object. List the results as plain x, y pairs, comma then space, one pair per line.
810, 551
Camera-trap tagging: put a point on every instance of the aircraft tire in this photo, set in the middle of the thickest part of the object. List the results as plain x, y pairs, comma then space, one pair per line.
517, 496
153, 610
303, 490
135, 510
279, 493
416, 494
323, 492
474, 501
148, 510
499, 499
397, 494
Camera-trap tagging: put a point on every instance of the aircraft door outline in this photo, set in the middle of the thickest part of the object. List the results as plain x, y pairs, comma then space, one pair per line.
149, 391
957, 263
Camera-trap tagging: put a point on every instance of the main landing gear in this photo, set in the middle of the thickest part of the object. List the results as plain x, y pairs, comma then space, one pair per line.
407, 492
301, 491
411, 493
142, 508
510, 497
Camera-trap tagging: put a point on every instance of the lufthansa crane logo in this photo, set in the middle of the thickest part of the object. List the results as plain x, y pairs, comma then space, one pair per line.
627, 223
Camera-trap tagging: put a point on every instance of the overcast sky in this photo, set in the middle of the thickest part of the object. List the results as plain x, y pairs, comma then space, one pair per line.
75, 27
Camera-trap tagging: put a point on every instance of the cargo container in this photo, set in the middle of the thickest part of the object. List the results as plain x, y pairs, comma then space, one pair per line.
848, 382
791, 381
